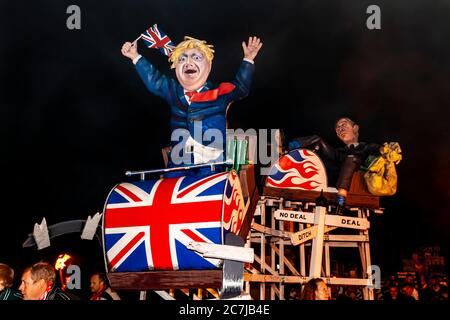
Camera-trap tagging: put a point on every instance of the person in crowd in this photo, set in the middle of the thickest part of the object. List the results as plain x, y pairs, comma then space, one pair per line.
409, 287
420, 270
315, 289
409, 290
6, 282
435, 291
100, 288
394, 294
38, 283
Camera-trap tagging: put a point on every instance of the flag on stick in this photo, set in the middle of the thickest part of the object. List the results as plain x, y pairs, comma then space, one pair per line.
156, 39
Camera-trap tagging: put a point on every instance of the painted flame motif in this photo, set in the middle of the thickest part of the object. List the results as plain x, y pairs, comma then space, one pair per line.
233, 212
306, 169
296, 170
61, 261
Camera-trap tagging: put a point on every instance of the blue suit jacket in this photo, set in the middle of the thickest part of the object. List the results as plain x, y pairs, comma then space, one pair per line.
209, 105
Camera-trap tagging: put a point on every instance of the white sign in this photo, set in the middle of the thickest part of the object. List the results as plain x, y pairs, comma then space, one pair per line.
307, 234
296, 216
330, 220
347, 222
304, 235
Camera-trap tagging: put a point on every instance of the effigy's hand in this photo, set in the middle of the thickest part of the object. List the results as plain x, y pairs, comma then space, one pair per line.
251, 48
129, 50
392, 152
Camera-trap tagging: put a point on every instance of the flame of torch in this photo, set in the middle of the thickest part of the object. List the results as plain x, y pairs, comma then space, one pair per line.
60, 264
61, 261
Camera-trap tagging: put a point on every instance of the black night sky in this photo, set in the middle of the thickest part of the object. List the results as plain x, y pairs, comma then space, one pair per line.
74, 116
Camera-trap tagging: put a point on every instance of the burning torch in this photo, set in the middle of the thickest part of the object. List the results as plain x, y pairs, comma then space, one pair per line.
60, 265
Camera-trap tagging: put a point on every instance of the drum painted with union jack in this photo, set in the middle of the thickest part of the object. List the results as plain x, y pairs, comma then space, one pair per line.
299, 169
147, 225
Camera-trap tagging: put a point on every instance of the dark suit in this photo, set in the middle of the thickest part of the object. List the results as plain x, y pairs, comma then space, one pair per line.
57, 294
345, 160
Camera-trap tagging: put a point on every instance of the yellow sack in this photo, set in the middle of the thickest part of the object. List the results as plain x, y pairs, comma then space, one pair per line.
381, 177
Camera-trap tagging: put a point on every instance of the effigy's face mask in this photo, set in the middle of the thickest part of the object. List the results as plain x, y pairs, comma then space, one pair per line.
347, 131
192, 69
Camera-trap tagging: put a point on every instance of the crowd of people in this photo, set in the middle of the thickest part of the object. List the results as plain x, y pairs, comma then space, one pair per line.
407, 289
38, 282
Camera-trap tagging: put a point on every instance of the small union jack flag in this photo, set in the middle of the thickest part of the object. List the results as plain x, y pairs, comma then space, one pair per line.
149, 224
157, 39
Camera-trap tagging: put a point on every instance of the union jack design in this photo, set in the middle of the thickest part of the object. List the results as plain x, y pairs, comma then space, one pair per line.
299, 169
148, 224
157, 39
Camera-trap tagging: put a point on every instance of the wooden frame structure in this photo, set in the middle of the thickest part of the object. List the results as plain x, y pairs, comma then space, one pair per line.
272, 237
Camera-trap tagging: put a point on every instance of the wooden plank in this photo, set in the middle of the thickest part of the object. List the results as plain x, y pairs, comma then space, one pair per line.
347, 222
248, 174
295, 216
340, 244
307, 234
179, 279
273, 278
296, 279
315, 264
163, 294
275, 290
331, 220
286, 261
347, 237
347, 281
265, 265
273, 232
355, 200
213, 292
304, 235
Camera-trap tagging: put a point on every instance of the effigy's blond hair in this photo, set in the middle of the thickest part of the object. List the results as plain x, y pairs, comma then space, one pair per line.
191, 43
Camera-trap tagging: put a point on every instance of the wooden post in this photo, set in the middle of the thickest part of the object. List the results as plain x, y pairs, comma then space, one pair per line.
365, 247
248, 245
327, 260
302, 255
317, 246
272, 253
262, 286
281, 256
